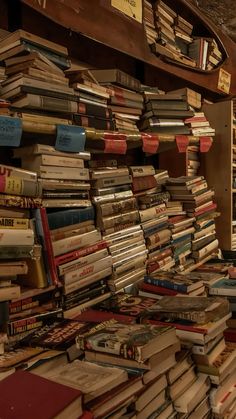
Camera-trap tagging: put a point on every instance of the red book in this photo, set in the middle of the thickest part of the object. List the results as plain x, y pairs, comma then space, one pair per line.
48, 245
205, 210
97, 316
145, 182
28, 396
157, 290
76, 254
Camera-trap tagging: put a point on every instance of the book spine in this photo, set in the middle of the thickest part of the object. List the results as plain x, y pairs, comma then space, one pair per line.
96, 111
8, 237
83, 261
70, 217
87, 270
80, 253
9, 293
16, 252
74, 286
14, 223
17, 186
126, 80
166, 284
72, 243
14, 172
20, 201
57, 172
44, 233
153, 212
146, 182
140, 171
34, 301
91, 122
118, 207
30, 323
119, 220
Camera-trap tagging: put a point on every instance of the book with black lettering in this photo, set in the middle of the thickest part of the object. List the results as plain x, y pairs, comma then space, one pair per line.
84, 297
130, 305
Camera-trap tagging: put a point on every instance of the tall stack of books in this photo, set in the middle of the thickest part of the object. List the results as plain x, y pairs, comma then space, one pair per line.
80, 257
126, 101
93, 110
198, 202
62, 176
117, 217
149, 25
153, 216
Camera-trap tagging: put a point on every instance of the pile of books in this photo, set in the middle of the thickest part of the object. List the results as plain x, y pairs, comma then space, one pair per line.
193, 160
62, 176
92, 98
175, 39
198, 203
149, 25
125, 101
199, 125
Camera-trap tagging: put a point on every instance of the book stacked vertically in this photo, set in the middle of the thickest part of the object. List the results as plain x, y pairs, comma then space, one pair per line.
118, 219
62, 176
125, 101
93, 110
149, 25
36, 82
153, 216
198, 203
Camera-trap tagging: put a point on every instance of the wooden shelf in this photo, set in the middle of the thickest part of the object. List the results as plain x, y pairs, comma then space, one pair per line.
127, 36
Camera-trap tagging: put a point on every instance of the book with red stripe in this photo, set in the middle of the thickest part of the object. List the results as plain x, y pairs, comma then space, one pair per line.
76, 254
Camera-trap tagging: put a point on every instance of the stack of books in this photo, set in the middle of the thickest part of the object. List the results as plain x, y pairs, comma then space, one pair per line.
62, 177
79, 256
149, 24
36, 80
93, 110
214, 55
199, 125
205, 52
183, 34
125, 101
164, 18
166, 114
198, 203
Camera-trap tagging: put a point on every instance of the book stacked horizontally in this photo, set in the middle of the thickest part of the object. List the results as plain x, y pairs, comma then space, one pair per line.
183, 34
93, 110
199, 125
198, 203
166, 114
126, 101
144, 348
62, 176
36, 81
163, 283
78, 256
117, 217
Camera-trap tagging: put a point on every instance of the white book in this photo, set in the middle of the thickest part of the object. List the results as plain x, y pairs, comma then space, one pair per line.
9, 237
83, 261
74, 286
153, 212
34, 162
37, 149
87, 270
76, 242
57, 172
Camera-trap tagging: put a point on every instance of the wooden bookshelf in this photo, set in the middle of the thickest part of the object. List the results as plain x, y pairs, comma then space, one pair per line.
89, 32
217, 168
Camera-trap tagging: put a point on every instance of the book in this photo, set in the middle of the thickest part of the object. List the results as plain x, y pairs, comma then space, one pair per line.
224, 286
195, 309
193, 395
17, 186
28, 393
118, 77
67, 217
9, 292
44, 149
138, 342
91, 379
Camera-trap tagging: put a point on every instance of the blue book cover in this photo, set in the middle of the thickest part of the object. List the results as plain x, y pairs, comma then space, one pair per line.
58, 59
175, 286
69, 217
225, 286
183, 238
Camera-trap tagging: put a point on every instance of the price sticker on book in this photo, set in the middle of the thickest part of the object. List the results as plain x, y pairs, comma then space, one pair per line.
115, 146
205, 144
10, 131
182, 142
150, 143
70, 138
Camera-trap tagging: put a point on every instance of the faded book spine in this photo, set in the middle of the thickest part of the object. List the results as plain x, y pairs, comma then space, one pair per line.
20, 201
87, 270
17, 186
117, 220
84, 282
14, 223
142, 183
153, 212
117, 207
59, 260
15, 172
72, 243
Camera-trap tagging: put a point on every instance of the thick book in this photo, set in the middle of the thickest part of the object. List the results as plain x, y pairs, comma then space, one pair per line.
117, 77
17, 172
76, 254
75, 242
67, 217
44, 149
19, 186
182, 284
26, 395
142, 183
90, 121
194, 309
138, 342
127, 304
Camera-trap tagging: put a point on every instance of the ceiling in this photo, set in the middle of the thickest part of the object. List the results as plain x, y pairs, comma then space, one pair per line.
221, 12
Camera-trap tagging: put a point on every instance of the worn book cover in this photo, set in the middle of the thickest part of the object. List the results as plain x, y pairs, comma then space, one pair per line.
127, 304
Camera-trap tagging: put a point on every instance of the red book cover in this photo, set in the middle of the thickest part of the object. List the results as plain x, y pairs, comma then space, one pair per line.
28, 396
206, 209
145, 182
97, 316
157, 290
230, 335
76, 254
48, 244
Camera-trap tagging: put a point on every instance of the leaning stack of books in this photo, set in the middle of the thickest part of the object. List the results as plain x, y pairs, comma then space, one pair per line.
93, 110
62, 176
125, 101
198, 202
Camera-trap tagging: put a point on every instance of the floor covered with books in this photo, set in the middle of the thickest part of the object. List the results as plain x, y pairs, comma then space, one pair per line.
114, 300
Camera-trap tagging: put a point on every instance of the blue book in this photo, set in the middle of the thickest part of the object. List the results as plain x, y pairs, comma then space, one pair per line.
68, 217
180, 239
58, 59
184, 285
225, 286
